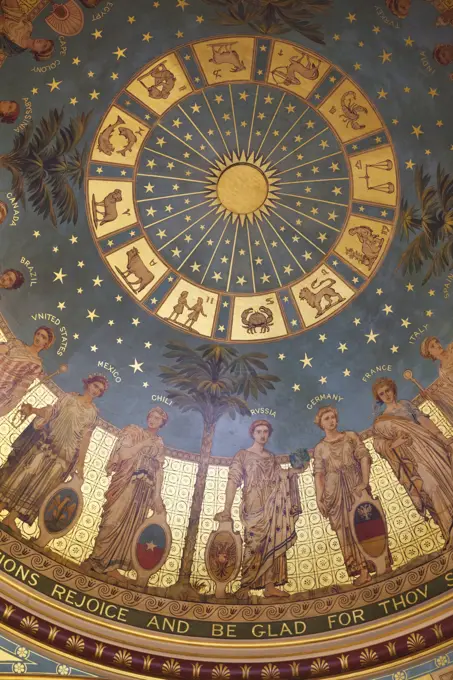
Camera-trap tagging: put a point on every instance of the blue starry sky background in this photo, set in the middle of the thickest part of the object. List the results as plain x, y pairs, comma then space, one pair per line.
331, 358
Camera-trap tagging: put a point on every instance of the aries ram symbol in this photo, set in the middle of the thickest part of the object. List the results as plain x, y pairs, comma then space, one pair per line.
106, 210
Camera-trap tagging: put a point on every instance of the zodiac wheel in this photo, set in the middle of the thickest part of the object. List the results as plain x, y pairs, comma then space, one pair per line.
242, 189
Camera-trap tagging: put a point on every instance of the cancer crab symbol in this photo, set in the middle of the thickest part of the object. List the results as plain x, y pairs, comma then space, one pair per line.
251, 319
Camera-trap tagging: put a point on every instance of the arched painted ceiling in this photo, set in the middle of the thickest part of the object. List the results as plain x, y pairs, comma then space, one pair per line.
226, 392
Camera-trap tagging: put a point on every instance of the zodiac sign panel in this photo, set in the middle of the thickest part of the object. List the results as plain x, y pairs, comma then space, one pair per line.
350, 113
362, 243
161, 84
296, 69
241, 187
120, 138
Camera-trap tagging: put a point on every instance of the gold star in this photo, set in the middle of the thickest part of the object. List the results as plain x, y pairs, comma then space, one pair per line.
136, 366
90, 74
34, 90
114, 76
410, 164
382, 93
407, 89
371, 336
76, 61
92, 315
179, 34
120, 53
131, 20
182, 4
394, 348
417, 131
94, 95
73, 101
410, 287
97, 34
296, 387
54, 85
346, 372
433, 92
385, 56
376, 29
147, 37
351, 17
336, 37
357, 66
439, 123
199, 19
408, 41
59, 276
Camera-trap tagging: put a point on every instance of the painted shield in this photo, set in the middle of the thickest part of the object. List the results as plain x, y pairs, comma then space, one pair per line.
370, 529
222, 556
151, 546
61, 510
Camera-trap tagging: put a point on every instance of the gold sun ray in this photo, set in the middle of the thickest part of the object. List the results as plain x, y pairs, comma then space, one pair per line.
312, 198
189, 146
234, 119
172, 215
312, 243
189, 118
272, 122
181, 233
252, 269
215, 122
179, 179
227, 222
233, 253
287, 132
307, 141
174, 159
269, 254
286, 246
162, 198
253, 119
309, 217
199, 242
312, 160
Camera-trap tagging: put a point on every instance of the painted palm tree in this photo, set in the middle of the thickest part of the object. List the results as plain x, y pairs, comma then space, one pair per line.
214, 381
274, 16
428, 226
46, 165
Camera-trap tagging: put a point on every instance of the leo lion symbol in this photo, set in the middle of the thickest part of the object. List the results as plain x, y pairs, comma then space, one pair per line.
316, 297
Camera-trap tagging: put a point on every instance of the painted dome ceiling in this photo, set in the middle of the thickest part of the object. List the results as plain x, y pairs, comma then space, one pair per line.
226, 357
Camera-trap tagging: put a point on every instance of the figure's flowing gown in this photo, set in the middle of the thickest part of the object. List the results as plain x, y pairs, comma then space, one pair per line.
423, 465
131, 495
269, 510
44, 455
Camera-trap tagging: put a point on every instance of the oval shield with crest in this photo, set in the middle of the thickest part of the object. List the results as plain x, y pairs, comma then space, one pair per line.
370, 528
60, 510
222, 557
152, 544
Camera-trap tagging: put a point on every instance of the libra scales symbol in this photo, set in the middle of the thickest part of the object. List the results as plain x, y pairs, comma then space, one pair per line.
385, 187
